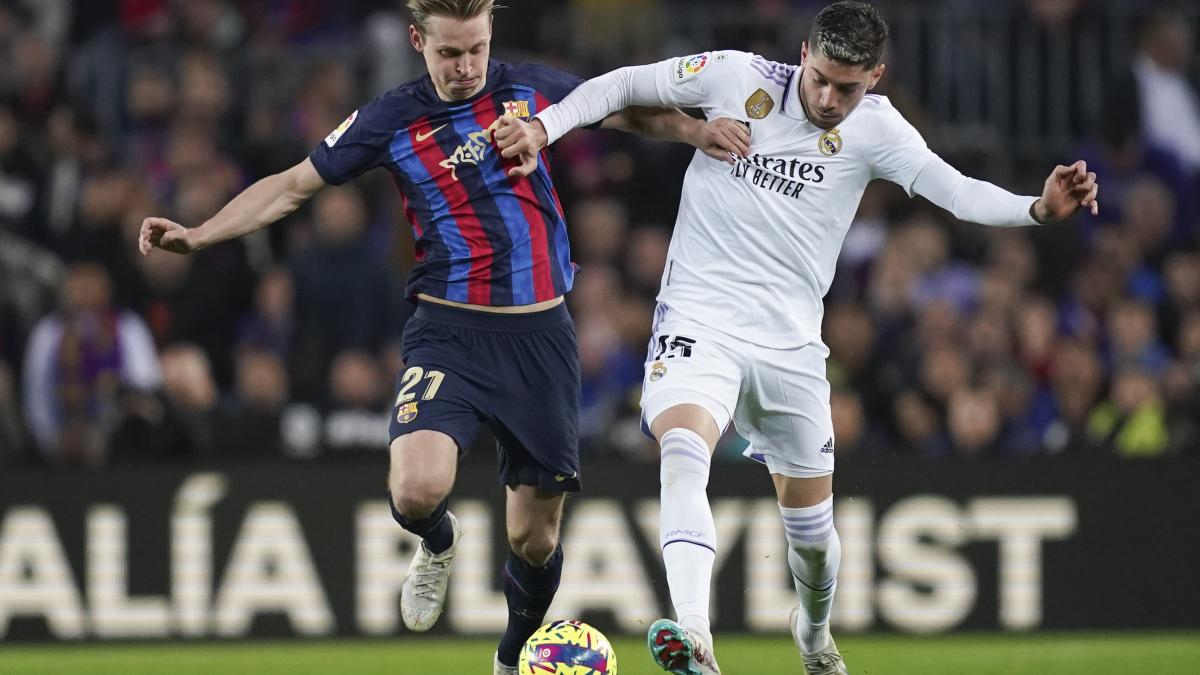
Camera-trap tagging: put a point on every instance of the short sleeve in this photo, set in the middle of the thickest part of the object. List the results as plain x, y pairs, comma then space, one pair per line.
357, 145
897, 152
702, 80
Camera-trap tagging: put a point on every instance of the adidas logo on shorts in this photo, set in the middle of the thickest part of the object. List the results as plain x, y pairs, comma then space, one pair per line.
828, 447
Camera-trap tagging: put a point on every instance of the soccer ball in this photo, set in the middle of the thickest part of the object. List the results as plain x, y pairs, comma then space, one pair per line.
567, 648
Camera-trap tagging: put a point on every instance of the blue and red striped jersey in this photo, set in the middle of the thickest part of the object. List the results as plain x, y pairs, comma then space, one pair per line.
481, 237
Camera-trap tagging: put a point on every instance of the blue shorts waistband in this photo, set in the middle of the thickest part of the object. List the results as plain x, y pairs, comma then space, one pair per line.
469, 318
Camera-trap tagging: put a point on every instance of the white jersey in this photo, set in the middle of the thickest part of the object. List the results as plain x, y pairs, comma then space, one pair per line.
756, 244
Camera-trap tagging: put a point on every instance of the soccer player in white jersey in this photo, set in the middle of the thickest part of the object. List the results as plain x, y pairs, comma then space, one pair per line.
737, 329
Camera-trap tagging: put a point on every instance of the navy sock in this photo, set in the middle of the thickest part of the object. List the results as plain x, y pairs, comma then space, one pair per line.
435, 528
529, 591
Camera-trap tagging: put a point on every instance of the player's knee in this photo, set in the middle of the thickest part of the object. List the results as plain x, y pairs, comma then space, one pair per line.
535, 545
414, 500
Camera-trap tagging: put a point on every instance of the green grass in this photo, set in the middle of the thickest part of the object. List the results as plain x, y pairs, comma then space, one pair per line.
1053, 654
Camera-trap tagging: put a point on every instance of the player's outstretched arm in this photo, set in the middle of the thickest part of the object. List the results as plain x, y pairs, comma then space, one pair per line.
721, 139
718, 138
257, 206
1068, 189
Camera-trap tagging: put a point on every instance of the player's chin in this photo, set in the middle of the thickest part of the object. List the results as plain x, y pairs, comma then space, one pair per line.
822, 122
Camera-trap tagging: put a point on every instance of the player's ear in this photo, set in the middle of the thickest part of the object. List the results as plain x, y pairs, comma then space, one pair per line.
803, 51
875, 75
415, 37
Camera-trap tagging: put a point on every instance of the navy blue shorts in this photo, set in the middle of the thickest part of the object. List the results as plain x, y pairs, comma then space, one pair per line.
518, 373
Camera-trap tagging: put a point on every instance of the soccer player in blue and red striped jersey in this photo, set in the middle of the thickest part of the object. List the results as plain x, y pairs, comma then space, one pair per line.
491, 340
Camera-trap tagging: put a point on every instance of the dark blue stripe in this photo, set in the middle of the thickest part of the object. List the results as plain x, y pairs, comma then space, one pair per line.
560, 247
459, 260
481, 192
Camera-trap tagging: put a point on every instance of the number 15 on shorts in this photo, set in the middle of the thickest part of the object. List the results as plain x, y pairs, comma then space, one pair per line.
671, 346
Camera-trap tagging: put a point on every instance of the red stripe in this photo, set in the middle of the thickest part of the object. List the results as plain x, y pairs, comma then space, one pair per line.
542, 104
543, 278
479, 278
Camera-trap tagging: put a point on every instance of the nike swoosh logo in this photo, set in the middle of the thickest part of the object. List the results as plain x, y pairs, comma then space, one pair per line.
421, 138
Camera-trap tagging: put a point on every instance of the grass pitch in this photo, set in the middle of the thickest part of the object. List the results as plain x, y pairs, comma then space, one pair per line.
1043, 654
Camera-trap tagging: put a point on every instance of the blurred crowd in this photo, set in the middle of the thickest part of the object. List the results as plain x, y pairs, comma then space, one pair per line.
947, 339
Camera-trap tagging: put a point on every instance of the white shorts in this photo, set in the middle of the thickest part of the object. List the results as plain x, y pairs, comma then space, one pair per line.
778, 399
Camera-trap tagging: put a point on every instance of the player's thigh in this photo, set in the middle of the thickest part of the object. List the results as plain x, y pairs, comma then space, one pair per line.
689, 369
436, 411
533, 518
690, 416
422, 468
785, 414
799, 493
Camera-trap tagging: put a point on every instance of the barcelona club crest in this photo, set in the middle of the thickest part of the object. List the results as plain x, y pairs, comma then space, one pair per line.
407, 412
830, 143
657, 371
517, 109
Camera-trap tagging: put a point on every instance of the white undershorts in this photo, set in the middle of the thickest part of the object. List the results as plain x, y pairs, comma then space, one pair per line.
778, 399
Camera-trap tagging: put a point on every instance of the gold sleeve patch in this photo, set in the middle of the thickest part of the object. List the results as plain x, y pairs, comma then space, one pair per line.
759, 105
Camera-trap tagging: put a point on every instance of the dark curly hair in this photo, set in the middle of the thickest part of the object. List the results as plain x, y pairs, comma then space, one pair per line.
852, 33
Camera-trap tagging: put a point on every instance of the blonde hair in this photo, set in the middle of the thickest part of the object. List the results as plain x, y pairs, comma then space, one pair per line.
454, 9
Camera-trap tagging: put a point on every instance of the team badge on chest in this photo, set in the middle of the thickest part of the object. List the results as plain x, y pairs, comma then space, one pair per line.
517, 109
830, 143
759, 105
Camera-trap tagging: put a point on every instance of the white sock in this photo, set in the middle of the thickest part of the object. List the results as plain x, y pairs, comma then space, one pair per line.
686, 530
814, 552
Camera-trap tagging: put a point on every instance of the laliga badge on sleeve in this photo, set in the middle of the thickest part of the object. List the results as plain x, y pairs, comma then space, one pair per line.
334, 135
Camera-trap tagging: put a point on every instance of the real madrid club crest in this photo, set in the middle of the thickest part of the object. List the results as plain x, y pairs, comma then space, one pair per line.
407, 412
830, 143
759, 105
657, 371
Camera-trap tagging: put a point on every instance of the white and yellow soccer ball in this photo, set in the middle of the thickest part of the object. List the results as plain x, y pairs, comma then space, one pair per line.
567, 648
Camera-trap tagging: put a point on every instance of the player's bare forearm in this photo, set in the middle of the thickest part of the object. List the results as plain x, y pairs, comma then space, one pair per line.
664, 124
721, 138
261, 204
256, 207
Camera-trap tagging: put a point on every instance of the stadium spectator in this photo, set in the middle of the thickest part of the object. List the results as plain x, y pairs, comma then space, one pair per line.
76, 363
247, 425
343, 288
1169, 102
271, 325
12, 433
973, 422
356, 416
1132, 421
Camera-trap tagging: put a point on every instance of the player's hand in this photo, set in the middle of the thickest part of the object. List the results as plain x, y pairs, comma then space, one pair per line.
165, 234
517, 138
1068, 189
724, 139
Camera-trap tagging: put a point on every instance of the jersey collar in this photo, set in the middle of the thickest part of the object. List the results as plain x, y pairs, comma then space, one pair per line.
792, 106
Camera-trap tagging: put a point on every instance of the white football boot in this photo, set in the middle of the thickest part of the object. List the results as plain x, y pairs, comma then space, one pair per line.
678, 651
423, 594
825, 662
